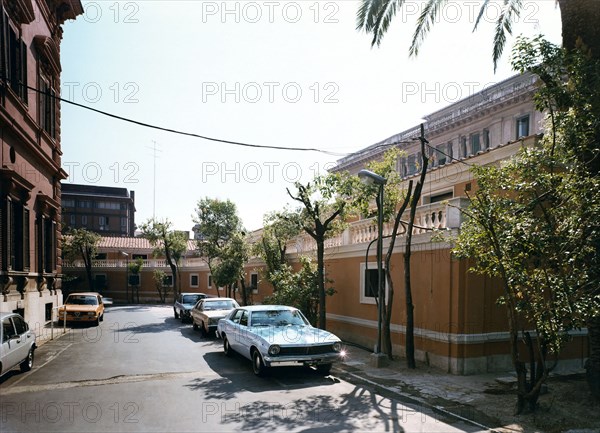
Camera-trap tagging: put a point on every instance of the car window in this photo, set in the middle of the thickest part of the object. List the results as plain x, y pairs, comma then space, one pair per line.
244, 318
278, 318
219, 305
7, 329
190, 299
20, 325
236, 316
82, 300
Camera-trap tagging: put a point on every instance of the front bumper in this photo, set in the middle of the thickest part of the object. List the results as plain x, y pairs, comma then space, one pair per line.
282, 361
74, 317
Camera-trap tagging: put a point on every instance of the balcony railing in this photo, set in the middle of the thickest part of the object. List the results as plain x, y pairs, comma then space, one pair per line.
444, 215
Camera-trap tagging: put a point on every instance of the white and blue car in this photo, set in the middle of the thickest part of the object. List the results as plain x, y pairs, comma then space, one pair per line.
276, 335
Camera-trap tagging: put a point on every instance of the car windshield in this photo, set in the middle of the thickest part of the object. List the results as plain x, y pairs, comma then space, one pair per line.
82, 300
191, 299
278, 318
218, 305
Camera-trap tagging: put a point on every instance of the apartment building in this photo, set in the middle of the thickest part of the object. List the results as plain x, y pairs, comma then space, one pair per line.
109, 211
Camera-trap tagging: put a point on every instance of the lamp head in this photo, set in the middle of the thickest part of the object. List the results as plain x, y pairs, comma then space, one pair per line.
369, 178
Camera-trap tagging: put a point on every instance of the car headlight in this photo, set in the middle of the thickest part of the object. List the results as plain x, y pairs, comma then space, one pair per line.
91, 313
274, 350
337, 346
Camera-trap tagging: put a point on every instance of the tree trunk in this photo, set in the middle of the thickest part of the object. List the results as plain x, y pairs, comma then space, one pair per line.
321, 281
580, 20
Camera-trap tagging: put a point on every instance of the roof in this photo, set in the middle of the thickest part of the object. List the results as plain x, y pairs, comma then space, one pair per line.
128, 243
94, 190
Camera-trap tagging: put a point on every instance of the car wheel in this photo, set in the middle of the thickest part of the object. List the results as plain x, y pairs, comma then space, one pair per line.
97, 321
175, 313
27, 363
227, 350
102, 317
258, 366
324, 369
203, 330
194, 325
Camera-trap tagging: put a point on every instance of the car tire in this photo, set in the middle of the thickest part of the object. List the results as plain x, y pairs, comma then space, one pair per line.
27, 363
175, 313
258, 366
324, 369
203, 329
227, 350
102, 317
194, 325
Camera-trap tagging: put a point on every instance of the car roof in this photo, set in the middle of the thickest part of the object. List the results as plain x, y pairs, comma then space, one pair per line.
5, 314
267, 307
193, 293
219, 299
85, 294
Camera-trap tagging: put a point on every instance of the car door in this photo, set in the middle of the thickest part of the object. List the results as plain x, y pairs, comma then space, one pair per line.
231, 327
243, 336
12, 345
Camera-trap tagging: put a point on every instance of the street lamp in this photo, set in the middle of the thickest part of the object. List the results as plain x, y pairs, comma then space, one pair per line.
370, 178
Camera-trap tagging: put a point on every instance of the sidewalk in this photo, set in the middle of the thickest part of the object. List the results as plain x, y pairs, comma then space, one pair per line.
486, 400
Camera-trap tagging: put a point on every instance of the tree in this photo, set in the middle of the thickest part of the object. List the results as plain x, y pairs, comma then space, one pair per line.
135, 268
533, 221
168, 243
322, 214
159, 283
221, 241
279, 228
580, 20
298, 289
81, 243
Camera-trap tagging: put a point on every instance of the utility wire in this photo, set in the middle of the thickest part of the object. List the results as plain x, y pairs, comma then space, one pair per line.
188, 134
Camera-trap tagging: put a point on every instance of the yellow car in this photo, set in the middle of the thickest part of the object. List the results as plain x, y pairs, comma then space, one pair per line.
83, 307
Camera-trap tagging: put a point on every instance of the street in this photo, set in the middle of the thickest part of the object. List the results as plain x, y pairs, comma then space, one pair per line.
142, 370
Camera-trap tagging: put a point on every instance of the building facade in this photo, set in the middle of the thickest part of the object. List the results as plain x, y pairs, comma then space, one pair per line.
108, 211
30, 174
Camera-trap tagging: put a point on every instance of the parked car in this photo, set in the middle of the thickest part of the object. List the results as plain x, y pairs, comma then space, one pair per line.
184, 303
18, 343
83, 307
276, 335
208, 311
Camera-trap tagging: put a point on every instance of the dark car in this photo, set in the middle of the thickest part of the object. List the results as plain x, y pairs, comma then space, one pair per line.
184, 303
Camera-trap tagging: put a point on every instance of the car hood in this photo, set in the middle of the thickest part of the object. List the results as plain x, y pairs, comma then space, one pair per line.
294, 335
80, 307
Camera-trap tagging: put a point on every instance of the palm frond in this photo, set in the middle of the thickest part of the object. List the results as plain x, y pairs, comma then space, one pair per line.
481, 12
424, 22
511, 9
375, 16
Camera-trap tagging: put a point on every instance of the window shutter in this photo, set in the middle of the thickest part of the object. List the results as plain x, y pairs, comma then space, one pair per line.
10, 253
23, 91
26, 249
3, 47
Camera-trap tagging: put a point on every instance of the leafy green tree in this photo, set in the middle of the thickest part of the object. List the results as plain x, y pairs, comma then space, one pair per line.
81, 243
168, 243
159, 283
298, 289
221, 241
580, 20
322, 215
533, 221
279, 229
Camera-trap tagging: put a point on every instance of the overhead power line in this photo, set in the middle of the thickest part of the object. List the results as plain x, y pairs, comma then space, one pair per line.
188, 134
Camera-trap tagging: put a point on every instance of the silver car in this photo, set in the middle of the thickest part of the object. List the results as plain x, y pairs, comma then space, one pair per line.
18, 343
276, 335
208, 311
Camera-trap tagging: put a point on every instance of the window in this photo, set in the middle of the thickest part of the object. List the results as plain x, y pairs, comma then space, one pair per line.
100, 282
254, 282
84, 220
440, 154
103, 223
475, 144
411, 163
68, 203
72, 220
47, 106
86, 204
523, 126
450, 152
463, 147
486, 139
123, 222
194, 280
47, 243
369, 283
168, 281
209, 282
17, 224
13, 58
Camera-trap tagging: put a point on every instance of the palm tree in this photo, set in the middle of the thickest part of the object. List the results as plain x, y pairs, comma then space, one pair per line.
580, 20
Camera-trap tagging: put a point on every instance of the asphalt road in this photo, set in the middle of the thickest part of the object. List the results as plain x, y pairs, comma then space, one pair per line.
143, 371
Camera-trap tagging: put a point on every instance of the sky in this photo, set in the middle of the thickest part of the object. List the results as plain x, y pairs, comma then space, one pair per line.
269, 73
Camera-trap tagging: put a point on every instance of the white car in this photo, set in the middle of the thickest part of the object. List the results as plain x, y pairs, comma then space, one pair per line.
208, 311
276, 335
18, 343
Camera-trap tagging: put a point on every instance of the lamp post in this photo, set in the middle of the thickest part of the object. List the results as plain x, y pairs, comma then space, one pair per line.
370, 178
